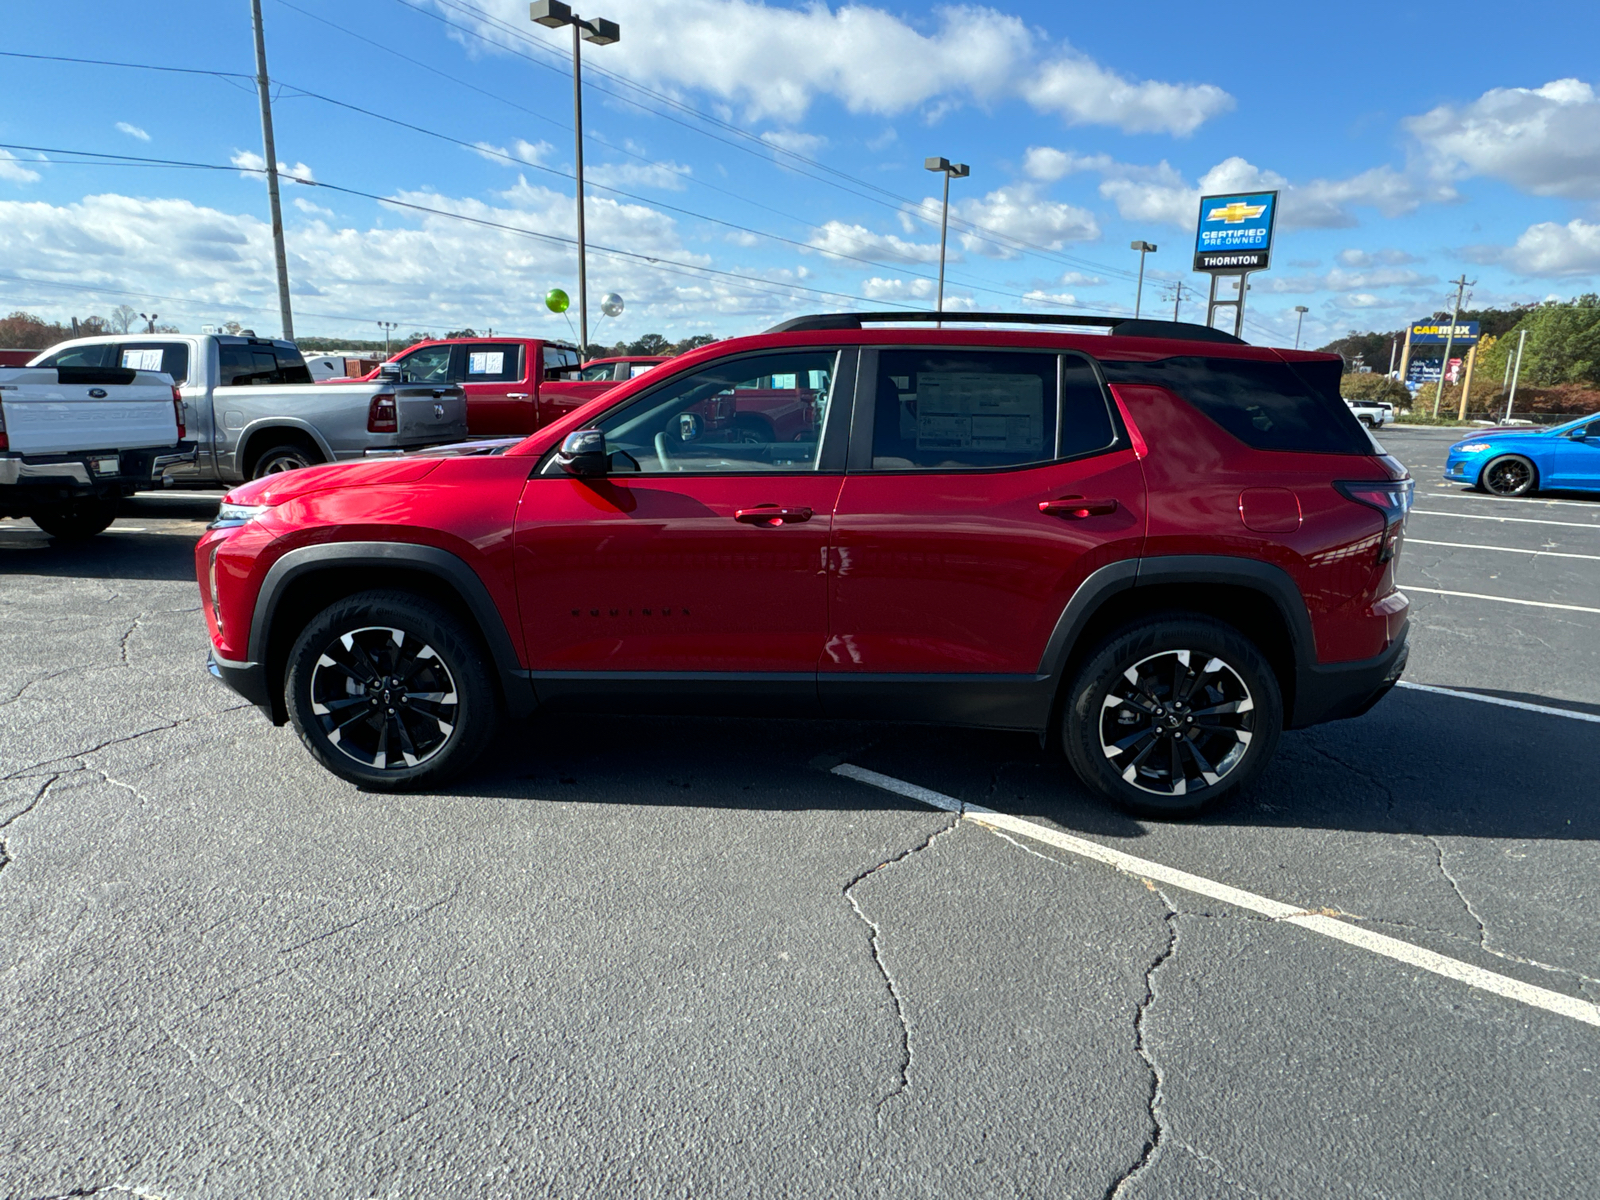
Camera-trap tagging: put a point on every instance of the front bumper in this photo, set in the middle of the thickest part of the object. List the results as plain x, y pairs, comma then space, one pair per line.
1335, 691
247, 678
1462, 469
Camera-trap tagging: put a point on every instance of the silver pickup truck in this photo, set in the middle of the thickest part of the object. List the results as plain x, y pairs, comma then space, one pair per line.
252, 409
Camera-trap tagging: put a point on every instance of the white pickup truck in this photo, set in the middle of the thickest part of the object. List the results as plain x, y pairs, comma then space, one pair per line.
74, 441
252, 409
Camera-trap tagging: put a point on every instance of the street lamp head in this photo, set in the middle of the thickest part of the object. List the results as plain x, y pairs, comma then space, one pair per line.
602, 32
552, 14
1301, 308
936, 164
1143, 247
960, 170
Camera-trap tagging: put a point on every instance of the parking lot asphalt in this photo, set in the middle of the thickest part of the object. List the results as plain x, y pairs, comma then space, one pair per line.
676, 956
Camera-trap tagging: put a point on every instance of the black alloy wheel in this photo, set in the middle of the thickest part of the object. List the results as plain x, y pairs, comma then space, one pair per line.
390, 691
77, 520
1172, 716
1509, 475
291, 456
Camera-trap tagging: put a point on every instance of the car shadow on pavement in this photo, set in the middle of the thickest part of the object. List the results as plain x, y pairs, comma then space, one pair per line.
1419, 764
25, 550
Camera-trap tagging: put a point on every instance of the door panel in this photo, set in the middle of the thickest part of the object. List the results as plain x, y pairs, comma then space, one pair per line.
1576, 462
633, 573
963, 573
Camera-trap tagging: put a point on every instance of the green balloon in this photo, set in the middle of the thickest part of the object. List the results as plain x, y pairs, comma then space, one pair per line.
556, 300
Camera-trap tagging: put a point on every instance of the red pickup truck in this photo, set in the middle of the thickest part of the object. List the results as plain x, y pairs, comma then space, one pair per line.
512, 384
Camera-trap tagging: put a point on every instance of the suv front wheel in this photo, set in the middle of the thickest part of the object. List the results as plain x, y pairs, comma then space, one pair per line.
389, 690
1172, 716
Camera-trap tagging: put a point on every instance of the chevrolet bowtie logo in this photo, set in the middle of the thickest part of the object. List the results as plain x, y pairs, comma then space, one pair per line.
1237, 212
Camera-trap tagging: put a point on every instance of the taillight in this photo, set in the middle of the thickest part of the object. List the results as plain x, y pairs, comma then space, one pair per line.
382, 415
177, 411
1391, 497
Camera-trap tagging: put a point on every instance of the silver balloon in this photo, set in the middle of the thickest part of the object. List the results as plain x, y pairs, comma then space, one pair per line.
611, 305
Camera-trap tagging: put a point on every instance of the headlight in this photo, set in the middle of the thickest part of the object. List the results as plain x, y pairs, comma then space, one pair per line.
1473, 447
231, 516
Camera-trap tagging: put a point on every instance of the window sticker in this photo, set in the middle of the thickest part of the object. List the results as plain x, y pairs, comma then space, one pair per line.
486, 362
961, 411
142, 360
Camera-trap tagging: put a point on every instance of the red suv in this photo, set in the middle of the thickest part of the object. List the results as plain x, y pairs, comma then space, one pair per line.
1156, 545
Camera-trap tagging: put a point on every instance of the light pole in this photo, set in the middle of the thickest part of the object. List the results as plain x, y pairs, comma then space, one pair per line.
150, 321
1138, 297
552, 14
949, 170
386, 326
1298, 322
1462, 285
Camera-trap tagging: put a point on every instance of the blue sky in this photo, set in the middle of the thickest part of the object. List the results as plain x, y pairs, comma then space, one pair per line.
1411, 146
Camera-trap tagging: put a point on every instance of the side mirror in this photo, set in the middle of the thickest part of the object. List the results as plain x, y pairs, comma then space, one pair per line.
390, 372
584, 454
688, 427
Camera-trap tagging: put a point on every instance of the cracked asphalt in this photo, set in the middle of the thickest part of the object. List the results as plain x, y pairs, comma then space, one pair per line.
680, 957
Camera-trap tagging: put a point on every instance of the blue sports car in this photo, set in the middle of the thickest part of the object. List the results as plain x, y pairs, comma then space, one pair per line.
1514, 462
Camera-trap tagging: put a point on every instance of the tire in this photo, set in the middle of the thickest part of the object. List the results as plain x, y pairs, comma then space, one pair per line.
1123, 738
77, 520
1509, 475
284, 456
751, 431
403, 737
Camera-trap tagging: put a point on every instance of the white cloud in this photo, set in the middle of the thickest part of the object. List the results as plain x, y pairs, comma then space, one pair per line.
1079, 279
1542, 140
521, 152
1551, 249
310, 209
1085, 93
424, 271
251, 165
133, 131
12, 170
1161, 194
774, 62
794, 141
901, 290
1373, 258
668, 176
1042, 299
836, 237
1017, 212
1338, 280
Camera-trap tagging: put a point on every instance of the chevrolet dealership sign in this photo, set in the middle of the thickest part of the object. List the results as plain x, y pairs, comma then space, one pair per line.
1235, 232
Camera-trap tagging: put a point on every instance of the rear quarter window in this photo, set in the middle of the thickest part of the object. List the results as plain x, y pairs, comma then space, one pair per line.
1266, 405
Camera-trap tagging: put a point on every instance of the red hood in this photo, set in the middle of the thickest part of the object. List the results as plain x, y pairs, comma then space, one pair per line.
276, 489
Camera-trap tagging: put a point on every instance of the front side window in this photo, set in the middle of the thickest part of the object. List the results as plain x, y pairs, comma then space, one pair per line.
954, 410
431, 364
170, 357
756, 414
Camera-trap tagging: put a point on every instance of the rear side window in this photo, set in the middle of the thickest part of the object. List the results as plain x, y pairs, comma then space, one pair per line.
246, 365
492, 362
171, 357
558, 359
1266, 405
93, 357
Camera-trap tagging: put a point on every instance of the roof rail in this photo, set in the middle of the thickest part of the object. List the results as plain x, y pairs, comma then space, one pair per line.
1120, 326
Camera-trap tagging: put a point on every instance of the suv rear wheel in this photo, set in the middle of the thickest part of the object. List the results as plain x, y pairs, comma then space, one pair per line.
1172, 716
390, 691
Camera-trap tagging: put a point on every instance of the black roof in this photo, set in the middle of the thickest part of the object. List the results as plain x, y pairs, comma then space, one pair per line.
1121, 326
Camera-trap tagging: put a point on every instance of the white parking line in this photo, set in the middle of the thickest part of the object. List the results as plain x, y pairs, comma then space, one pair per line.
1514, 520
1411, 541
1477, 499
1411, 587
1305, 917
1546, 709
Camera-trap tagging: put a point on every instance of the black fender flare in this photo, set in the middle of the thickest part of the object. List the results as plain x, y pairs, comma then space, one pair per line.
515, 684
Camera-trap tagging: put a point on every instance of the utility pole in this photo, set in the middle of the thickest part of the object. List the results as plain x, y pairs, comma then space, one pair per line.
270, 149
1517, 374
1300, 320
1391, 355
1138, 296
1450, 338
1177, 298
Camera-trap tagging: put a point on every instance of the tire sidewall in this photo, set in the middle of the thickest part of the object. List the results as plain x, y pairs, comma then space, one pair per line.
1533, 475
478, 700
1090, 684
304, 458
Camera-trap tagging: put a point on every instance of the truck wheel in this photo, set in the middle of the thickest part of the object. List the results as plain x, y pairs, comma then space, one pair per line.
76, 520
750, 431
390, 691
286, 456
1172, 716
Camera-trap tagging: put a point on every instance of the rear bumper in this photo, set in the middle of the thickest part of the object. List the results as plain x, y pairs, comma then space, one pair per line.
1334, 691
102, 470
247, 678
